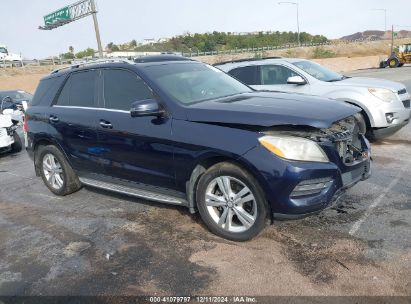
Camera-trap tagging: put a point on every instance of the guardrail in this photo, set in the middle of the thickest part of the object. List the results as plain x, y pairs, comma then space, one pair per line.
254, 49
33, 62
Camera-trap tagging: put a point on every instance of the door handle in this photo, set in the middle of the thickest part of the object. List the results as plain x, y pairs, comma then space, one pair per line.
53, 118
106, 124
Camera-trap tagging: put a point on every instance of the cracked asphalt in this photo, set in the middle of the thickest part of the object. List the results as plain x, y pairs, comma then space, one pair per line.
98, 243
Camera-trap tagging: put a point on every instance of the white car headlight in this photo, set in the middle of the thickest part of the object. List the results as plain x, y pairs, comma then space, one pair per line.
294, 148
383, 94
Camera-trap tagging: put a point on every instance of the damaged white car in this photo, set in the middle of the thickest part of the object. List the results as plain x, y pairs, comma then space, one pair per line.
10, 121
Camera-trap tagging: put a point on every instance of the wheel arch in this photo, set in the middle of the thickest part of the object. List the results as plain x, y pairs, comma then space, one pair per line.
204, 164
367, 115
45, 141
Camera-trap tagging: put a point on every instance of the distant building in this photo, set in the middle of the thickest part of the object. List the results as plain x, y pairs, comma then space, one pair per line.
149, 41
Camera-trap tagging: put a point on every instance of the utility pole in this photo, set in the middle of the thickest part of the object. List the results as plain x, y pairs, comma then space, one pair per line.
385, 16
392, 39
298, 21
100, 48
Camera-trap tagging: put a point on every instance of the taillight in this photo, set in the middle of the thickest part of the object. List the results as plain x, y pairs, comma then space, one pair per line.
25, 124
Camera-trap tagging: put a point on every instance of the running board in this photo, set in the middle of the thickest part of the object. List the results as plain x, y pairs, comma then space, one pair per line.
136, 192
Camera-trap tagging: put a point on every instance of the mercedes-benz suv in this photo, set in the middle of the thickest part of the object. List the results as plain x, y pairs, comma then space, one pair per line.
185, 133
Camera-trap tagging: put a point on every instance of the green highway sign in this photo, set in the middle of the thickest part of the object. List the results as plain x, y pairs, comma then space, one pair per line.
62, 14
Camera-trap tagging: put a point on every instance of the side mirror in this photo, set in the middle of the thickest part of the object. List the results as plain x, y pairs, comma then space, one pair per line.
25, 105
298, 80
146, 107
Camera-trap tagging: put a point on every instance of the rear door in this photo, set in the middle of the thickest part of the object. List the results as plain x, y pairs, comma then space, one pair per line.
73, 121
137, 149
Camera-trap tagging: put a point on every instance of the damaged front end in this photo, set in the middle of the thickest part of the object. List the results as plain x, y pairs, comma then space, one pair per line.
311, 186
344, 135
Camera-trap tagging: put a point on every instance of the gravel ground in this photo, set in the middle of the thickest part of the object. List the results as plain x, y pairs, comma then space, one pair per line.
98, 243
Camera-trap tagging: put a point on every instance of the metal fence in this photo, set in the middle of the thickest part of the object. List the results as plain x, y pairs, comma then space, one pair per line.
33, 62
253, 49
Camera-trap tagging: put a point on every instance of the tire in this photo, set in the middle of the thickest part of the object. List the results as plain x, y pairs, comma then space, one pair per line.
65, 180
17, 146
393, 62
252, 211
362, 124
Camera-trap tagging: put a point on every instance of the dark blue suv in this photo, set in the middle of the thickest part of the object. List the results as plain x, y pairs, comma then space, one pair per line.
182, 132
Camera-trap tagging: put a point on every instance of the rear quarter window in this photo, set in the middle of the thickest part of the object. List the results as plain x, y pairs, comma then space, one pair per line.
46, 91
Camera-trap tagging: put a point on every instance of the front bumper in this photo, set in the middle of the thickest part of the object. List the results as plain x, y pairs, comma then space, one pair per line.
280, 179
6, 140
388, 131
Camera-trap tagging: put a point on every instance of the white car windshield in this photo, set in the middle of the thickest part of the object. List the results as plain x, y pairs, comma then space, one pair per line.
318, 71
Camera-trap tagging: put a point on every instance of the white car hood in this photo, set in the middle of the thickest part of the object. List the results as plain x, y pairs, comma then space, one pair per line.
370, 83
5, 121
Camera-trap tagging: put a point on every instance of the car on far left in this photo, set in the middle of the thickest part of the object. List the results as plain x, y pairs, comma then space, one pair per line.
12, 107
13, 99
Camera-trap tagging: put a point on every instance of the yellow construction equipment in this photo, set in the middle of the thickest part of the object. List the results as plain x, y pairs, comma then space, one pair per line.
398, 59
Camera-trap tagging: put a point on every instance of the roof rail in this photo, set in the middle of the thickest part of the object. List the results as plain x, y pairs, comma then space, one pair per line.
247, 59
91, 62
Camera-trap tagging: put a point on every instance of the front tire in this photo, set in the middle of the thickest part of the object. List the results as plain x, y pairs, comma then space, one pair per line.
56, 172
393, 63
231, 203
17, 146
362, 125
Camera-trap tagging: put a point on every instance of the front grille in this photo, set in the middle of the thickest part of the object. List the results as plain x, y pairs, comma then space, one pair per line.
406, 103
403, 91
345, 135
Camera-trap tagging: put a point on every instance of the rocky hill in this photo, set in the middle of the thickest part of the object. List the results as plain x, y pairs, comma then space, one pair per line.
376, 35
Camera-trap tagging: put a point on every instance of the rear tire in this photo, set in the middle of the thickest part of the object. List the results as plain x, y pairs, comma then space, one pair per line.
227, 212
17, 146
56, 172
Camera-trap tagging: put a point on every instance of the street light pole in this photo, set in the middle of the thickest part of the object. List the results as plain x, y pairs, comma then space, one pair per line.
298, 21
385, 16
96, 28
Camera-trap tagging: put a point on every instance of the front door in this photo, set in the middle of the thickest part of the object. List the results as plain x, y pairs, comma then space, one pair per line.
135, 149
274, 77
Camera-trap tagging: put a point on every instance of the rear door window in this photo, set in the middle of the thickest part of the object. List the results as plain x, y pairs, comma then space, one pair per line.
122, 88
249, 75
80, 90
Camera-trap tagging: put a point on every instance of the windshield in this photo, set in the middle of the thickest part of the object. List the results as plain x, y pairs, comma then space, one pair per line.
17, 95
318, 71
3, 50
191, 83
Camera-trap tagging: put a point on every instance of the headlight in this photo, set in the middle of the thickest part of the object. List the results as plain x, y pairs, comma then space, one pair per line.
383, 94
294, 148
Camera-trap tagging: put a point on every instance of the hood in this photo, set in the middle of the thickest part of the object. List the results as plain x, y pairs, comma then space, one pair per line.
371, 83
271, 109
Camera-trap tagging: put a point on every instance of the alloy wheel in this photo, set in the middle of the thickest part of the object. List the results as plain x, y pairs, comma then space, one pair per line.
231, 204
53, 171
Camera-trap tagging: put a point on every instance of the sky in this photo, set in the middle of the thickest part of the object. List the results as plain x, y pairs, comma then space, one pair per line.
124, 20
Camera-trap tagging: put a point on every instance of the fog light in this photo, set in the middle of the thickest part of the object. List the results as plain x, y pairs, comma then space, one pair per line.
389, 117
311, 187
